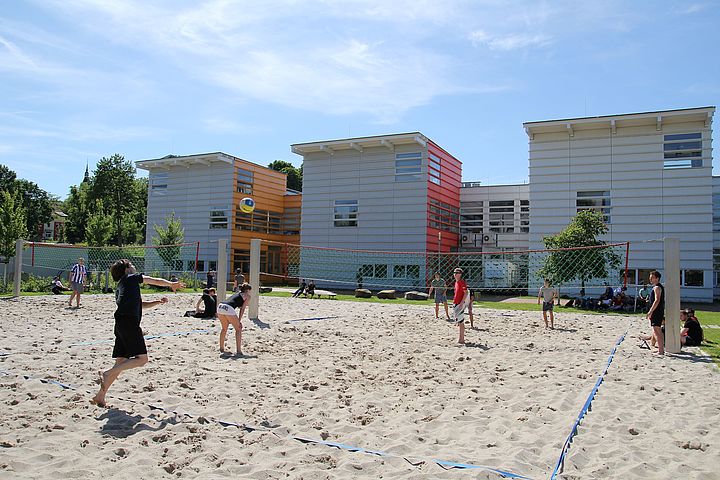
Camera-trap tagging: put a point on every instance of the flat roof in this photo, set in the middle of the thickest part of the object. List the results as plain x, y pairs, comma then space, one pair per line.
702, 114
196, 159
359, 143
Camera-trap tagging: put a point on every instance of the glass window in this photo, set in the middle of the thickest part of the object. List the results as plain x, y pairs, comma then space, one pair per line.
681, 153
245, 179
346, 213
408, 166
443, 216
596, 200
413, 271
644, 275
399, 156
399, 271
693, 278
381, 271
218, 218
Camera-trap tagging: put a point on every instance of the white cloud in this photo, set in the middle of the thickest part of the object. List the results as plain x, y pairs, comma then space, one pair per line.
509, 42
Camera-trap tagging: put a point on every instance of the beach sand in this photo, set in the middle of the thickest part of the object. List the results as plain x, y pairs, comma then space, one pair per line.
377, 376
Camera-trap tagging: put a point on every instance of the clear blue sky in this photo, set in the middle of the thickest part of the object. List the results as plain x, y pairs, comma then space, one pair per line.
83, 79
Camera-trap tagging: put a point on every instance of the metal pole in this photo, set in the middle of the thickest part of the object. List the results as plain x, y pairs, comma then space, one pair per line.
254, 279
18, 265
221, 278
672, 295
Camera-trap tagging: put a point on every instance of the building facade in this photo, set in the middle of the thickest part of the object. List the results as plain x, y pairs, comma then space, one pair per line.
397, 193
205, 190
649, 174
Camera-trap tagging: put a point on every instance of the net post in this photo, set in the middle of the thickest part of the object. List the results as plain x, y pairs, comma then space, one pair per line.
672, 294
254, 278
221, 269
18, 266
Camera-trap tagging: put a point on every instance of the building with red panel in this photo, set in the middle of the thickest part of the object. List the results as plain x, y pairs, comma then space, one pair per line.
395, 193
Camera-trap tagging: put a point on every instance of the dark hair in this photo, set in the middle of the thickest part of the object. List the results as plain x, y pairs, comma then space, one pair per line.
245, 287
656, 274
206, 291
118, 269
211, 289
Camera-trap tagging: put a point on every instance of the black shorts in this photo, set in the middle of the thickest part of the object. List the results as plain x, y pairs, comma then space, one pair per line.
129, 341
691, 342
656, 320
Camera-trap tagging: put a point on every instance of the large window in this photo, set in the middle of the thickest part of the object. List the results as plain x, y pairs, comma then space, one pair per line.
434, 168
346, 213
683, 150
471, 217
218, 217
408, 166
443, 216
291, 221
245, 180
262, 221
502, 216
693, 278
524, 216
596, 200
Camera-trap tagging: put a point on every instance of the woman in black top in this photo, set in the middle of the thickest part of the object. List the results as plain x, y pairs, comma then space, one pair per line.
227, 315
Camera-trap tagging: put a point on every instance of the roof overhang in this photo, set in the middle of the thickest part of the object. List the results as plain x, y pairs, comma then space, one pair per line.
361, 143
170, 161
613, 122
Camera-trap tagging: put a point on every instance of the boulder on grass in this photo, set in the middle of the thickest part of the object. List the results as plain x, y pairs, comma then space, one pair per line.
265, 289
388, 294
416, 296
363, 293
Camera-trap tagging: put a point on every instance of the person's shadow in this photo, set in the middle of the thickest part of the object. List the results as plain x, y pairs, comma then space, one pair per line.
120, 424
260, 324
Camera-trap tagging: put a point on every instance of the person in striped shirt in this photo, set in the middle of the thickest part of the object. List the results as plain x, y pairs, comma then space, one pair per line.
77, 276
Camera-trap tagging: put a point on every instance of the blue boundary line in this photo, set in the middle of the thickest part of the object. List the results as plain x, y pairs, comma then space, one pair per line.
146, 337
414, 461
587, 406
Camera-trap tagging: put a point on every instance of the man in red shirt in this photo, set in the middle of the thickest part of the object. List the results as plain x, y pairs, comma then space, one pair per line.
460, 301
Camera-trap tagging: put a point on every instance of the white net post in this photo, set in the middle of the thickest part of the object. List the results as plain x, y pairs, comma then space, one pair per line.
254, 279
18, 266
672, 294
221, 278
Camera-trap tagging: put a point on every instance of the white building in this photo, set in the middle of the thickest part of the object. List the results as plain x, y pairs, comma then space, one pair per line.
650, 174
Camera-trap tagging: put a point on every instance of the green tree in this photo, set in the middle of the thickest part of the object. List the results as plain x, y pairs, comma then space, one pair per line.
99, 227
294, 175
564, 266
113, 182
12, 226
7, 179
168, 237
76, 208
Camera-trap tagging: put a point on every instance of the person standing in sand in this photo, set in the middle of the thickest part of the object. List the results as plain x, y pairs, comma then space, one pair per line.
656, 313
76, 277
460, 301
548, 294
437, 285
227, 315
129, 350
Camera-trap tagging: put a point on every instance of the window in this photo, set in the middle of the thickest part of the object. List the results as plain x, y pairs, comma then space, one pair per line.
212, 265
245, 180
693, 278
596, 200
381, 271
291, 221
443, 216
262, 221
346, 212
158, 184
644, 276
471, 217
716, 209
218, 218
200, 265
683, 150
502, 216
399, 271
434, 168
408, 166
524, 216
374, 271
716, 267
241, 260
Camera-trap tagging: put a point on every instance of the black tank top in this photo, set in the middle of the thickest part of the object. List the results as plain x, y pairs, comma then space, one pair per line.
659, 312
236, 301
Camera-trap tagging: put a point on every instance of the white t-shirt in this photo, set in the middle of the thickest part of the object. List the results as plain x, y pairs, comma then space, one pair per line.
548, 293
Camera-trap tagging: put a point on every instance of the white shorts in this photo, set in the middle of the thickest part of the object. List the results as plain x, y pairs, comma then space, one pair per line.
226, 309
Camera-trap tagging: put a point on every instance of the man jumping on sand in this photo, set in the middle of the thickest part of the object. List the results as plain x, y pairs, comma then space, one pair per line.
129, 351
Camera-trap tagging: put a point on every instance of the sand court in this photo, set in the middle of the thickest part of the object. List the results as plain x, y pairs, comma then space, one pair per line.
379, 377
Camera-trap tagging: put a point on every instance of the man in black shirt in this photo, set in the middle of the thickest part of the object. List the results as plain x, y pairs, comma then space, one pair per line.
692, 333
656, 313
129, 350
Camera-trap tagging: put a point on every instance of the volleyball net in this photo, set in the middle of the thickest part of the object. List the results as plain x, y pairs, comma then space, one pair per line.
50, 260
579, 267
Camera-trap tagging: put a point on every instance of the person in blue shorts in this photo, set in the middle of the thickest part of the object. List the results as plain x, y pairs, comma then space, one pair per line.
439, 287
